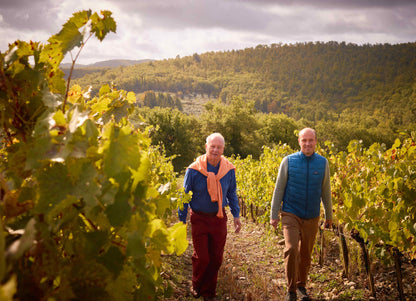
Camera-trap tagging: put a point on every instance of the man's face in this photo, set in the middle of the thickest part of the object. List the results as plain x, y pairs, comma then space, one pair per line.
214, 149
307, 142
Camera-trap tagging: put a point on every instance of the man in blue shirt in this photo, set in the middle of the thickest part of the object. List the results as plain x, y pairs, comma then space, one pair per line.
211, 178
303, 182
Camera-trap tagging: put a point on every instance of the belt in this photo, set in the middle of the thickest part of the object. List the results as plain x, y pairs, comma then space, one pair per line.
205, 213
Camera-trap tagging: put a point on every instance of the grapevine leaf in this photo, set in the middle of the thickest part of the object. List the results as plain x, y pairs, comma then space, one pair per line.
51, 100
102, 26
113, 260
54, 186
119, 211
59, 118
85, 187
131, 98
117, 112
94, 242
104, 90
135, 246
78, 119
142, 173
11, 55
69, 37
37, 151
178, 238
159, 235
120, 150
91, 131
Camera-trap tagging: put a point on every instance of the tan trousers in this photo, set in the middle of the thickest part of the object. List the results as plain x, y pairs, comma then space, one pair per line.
299, 237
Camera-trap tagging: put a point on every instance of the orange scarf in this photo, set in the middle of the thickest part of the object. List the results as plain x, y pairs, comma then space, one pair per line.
213, 180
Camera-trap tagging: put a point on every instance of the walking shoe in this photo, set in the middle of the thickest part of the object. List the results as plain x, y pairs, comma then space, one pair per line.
291, 296
303, 294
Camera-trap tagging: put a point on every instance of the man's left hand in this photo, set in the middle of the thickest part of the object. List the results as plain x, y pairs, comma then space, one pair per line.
237, 224
328, 224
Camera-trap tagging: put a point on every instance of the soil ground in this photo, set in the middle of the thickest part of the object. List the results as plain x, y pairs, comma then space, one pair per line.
253, 269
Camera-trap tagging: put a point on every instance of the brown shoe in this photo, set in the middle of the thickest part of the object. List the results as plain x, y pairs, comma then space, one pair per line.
291, 296
210, 298
303, 295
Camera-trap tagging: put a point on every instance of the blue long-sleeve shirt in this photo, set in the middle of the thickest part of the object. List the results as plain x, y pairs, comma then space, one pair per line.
201, 201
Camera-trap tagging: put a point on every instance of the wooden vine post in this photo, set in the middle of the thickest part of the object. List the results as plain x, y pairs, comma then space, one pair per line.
252, 213
397, 263
366, 259
243, 207
322, 243
344, 248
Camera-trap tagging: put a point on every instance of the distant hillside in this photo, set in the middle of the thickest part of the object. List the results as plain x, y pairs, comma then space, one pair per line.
80, 70
313, 81
108, 63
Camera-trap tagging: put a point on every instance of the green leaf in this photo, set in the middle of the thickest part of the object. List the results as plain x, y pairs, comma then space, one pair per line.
104, 90
37, 151
131, 98
102, 26
135, 245
142, 173
94, 242
54, 186
83, 174
177, 234
69, 36
160, 235
59, 118
77, 120
120, 150
113, 260
120, 211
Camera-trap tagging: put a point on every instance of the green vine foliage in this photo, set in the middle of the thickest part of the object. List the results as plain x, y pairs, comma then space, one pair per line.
374, 192
83, 192
256, 179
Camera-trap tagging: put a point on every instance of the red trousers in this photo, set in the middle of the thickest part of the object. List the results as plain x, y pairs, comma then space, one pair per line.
300, 237
209, 234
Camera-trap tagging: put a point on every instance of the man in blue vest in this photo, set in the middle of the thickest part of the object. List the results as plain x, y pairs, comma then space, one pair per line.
302, 183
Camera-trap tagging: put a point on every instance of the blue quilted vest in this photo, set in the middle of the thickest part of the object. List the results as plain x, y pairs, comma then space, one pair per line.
304, 185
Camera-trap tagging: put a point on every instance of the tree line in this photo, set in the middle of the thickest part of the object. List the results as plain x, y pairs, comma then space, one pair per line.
248, 131
317, 81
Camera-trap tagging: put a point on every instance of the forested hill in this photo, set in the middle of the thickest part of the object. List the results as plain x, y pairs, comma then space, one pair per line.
315, 81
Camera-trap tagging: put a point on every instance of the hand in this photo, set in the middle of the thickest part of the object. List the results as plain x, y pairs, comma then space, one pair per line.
328, 224
274, 222
237, 224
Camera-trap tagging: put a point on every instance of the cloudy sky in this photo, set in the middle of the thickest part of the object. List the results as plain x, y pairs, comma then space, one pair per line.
163, 29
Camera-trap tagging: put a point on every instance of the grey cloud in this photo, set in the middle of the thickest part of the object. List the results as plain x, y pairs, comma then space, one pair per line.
28, 14
344, 4
198, 14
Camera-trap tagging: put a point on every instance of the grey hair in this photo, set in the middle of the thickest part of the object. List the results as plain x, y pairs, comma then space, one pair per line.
215, 135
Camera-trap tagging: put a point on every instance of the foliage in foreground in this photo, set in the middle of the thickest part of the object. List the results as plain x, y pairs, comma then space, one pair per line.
83, 192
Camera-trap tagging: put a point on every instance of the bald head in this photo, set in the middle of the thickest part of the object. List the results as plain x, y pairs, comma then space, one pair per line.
307, 141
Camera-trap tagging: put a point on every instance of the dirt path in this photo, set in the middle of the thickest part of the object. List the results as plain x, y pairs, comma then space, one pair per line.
253, 269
